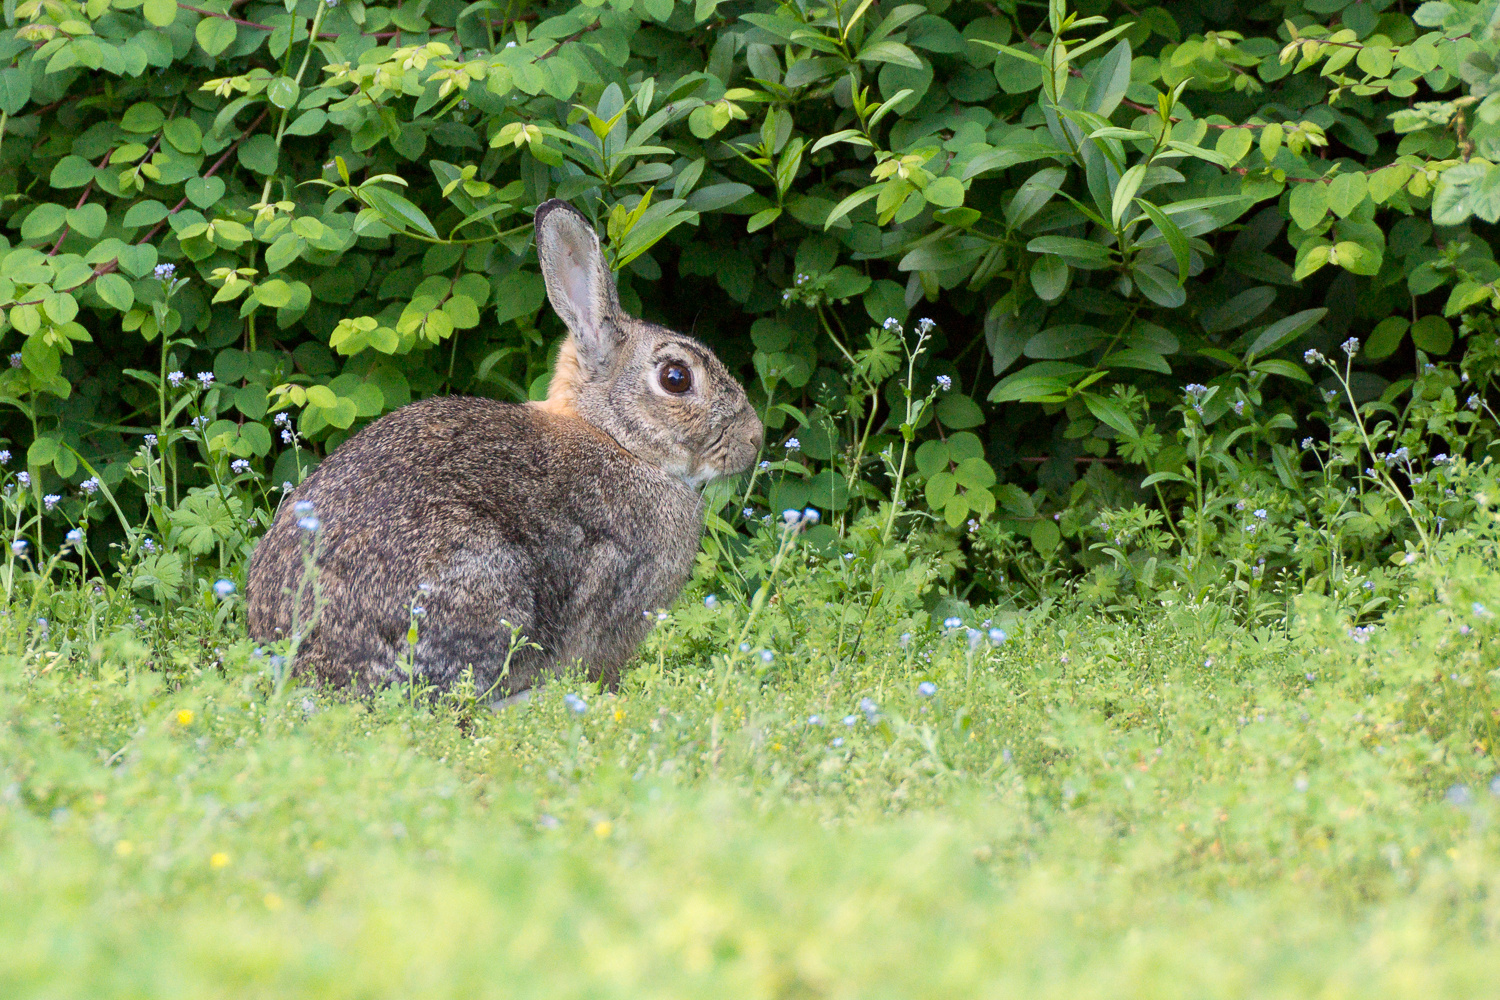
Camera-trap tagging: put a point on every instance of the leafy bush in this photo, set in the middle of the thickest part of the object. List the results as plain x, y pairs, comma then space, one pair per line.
321, 212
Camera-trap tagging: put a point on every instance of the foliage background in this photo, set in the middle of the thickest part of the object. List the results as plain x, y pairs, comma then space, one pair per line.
1095, 205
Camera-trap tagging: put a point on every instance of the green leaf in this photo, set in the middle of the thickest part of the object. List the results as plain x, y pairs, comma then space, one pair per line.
15, 90
143, 118
1109, 412
1078, 253
282, 92
215, 34
1234, 143
1309, 203
396, 210
1049, 277
1045, 536
204, 192
1174, 236
88, 220
160, 12
1345, 192
72, 172
1386, 337
1158, 286
1124, 194
958, 412
115, 291
890, 52
1432, 334
1111, 79
1065, 341
1284, 368
1284, 331
762, 219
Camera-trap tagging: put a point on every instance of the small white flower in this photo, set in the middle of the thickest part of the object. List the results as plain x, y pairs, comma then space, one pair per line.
811, 516
50, 500
74, 537
224, 588
89, 485
19, 546
575, 704
710, 602
792, 444
175, 378
944, 382
927, 689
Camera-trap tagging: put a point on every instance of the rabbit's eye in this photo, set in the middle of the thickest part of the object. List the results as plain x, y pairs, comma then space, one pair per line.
676, 379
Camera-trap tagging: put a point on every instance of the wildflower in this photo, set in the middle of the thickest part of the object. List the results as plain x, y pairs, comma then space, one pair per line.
850, 720
19, 546
89, 485
997, 636
302, 507
837, 742
50, 500
1351, 346
744, 646
164, 272
1261, 513
766, 656
1312, 356
1464, 630
24, 478
891, 325
710, 602
925, 325
1361, 634
15, 360
207, 378
148, 546
309, 523
1239, 505
224, 588
4, 456
1458, 795
175, 378
952, 622
749, 513
240, 466
281, 419
944, 382
462, 105
814, 720
905, 640
575, 704
1480, 611
1195, 390
1472, 402
286, 437
973, 525
1329, 395
1307, 444
150, 440
1239, 407
792, 444
810, 515
927, 689
1441, 459
1369, 584
975, 638
661, 616
200, 422
74, 537
791, 516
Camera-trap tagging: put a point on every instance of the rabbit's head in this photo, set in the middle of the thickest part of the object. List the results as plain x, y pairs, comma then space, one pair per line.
662, 396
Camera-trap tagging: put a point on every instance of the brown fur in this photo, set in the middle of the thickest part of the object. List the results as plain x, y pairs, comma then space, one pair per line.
574, 518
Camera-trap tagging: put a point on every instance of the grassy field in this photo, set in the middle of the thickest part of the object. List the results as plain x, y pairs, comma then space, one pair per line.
1177, 807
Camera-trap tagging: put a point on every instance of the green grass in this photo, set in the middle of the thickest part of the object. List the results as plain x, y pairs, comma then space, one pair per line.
1170, 808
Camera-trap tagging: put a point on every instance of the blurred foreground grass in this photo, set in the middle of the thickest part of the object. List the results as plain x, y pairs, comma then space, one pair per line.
1178, 808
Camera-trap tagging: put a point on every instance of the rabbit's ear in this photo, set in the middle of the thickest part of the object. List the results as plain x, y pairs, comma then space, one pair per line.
579, 283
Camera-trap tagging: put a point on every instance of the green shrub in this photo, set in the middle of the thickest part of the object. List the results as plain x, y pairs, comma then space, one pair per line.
324, 209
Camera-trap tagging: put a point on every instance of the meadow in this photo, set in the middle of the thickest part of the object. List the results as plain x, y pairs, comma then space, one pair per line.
1072, 805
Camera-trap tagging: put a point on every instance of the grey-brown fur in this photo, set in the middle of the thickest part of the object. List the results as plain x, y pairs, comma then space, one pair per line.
573, 518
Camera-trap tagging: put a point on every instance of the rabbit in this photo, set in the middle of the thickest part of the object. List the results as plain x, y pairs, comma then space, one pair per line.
574, 518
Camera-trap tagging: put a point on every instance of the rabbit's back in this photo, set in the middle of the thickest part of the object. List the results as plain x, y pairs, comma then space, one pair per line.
478, 513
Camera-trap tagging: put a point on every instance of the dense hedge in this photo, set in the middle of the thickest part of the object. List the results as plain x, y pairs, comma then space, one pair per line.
324, 208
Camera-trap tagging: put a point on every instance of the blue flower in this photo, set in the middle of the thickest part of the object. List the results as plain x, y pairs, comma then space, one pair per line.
575, 704
997, 636
710, 602
309, 523
952, 622
850, 720
927, 689
766, 656
868, 706
811, 516
224, 588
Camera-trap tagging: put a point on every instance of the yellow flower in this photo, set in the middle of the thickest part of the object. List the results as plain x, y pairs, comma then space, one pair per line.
185, 717
603, 829
218, 860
